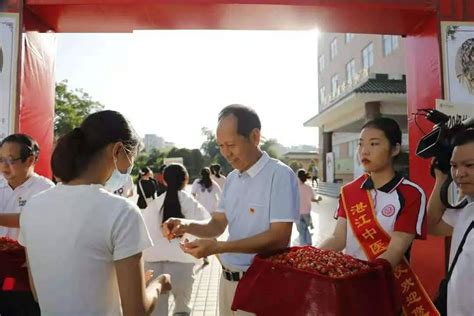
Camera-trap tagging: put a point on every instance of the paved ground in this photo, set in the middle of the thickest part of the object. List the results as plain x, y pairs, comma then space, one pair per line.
205, 290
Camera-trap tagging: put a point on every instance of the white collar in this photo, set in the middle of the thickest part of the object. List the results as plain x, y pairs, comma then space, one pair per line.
27, 183
258, 166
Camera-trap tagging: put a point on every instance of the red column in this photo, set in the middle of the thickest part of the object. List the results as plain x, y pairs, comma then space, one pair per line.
423, 64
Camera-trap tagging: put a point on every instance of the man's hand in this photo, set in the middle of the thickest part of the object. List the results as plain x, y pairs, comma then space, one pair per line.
200, 248
174, 228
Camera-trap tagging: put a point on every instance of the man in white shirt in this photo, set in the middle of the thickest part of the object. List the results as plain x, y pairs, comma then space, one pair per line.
18, 155
259, 204
455, 223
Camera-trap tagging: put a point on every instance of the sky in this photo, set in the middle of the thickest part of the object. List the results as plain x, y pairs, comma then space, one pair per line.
173, 83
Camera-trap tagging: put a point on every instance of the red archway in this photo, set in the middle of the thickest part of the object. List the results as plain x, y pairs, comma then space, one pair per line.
418, 20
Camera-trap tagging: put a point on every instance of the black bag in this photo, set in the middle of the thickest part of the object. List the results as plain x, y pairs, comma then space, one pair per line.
441, 300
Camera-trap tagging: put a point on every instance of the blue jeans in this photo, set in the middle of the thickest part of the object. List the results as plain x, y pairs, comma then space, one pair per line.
302, 226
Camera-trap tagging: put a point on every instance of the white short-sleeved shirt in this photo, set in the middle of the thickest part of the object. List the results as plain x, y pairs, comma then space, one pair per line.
13, 201
460, 286
164, 250
220, 181
209, 198
73, 234
127, 187
264, 194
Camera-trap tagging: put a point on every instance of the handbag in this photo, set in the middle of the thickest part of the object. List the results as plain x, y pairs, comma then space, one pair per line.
441, 300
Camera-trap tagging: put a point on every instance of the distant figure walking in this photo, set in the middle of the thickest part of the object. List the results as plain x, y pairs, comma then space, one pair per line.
314, 175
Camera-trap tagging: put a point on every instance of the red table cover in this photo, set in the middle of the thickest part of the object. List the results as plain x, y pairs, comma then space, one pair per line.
13, 273
272, 289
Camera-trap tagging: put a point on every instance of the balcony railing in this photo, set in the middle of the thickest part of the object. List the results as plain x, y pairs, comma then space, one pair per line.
345, 88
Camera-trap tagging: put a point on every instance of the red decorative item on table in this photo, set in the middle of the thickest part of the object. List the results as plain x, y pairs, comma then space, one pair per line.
13, 272
301, 281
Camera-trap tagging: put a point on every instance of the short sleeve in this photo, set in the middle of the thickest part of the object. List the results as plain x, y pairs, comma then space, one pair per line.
23, 224
284, 196
192, 209
340, 212
194, 187
221, 206
129, 234
411, 217
451, 216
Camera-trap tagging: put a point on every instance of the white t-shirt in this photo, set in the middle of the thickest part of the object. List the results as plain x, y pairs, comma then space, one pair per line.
210, 197
164, 250
461, 284
73, 234
220, 181
13, 201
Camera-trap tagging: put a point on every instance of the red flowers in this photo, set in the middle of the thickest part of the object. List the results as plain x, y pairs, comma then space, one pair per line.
9, 245
325, 262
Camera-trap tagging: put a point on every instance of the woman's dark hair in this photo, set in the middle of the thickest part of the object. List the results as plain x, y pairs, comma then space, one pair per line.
205, 180
77, 149
28, 146
389, 127
216, 170
302, 175
175, 176
247, 118
143, 171
464, 137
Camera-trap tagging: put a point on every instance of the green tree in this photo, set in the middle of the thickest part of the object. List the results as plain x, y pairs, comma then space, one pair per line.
295, 165
71, 108
270, 146
211, 151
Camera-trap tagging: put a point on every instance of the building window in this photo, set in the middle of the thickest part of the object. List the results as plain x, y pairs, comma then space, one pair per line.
337, 151
334, 84
333, 48
349, 37
368, 56
390, 43
322, 94
350, 71
321, 63
352, 148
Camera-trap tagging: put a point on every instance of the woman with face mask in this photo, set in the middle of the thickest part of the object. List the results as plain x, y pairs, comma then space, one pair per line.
84, 244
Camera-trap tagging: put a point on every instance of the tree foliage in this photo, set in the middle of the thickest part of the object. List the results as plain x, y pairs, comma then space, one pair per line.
71, 108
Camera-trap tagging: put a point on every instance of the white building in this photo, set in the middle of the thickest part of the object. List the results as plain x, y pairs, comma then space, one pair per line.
152, 141
361, 77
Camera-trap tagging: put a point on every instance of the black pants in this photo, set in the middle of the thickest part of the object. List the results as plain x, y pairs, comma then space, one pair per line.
18, 304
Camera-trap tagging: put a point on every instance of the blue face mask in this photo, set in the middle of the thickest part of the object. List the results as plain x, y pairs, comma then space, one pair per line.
118, 179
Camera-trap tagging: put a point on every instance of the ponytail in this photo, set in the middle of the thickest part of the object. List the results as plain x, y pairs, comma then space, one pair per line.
175, 176
75, 150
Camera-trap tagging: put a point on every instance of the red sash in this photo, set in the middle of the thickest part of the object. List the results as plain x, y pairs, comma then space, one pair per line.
374, 240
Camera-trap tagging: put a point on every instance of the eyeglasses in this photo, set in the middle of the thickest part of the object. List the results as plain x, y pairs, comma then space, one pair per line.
9, 161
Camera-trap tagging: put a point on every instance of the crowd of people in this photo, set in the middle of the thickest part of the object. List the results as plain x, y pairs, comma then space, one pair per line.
92, 251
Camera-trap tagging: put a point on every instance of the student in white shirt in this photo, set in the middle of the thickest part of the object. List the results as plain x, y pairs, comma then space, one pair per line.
217, 176
455, 222
84, 244
18, 156
206, 191
166, 256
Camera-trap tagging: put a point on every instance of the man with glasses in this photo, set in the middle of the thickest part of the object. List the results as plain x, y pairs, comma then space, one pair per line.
18, 155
